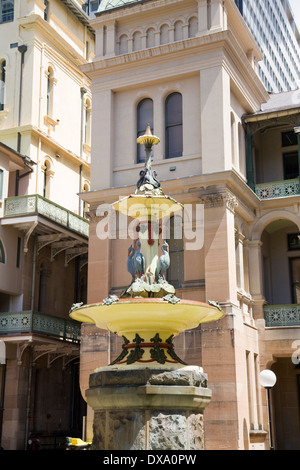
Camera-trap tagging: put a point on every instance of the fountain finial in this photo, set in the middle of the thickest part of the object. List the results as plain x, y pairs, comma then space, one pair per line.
148, 140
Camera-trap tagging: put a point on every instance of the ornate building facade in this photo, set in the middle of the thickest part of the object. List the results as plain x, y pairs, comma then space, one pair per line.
45, 129
189, 69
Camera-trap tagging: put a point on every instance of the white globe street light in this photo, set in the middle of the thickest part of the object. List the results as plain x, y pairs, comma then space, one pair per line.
267, 379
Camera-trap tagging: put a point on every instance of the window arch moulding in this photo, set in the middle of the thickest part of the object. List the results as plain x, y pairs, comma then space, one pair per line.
3, 86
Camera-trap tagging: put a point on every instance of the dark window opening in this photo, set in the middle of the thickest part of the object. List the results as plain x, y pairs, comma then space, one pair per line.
290, 165
173, 119
144, 117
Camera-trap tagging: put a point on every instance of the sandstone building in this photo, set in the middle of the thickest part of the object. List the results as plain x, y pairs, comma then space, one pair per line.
189, 69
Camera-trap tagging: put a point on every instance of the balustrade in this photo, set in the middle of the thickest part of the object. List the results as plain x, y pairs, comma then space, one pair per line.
36, 204
12, 323
277, 189
282, 315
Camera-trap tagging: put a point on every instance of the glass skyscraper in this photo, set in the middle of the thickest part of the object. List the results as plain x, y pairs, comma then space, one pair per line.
272, 24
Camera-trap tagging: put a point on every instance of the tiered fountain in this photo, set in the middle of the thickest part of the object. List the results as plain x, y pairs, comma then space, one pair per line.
148, 398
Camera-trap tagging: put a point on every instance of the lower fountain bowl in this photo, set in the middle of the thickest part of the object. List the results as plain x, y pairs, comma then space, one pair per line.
147, 326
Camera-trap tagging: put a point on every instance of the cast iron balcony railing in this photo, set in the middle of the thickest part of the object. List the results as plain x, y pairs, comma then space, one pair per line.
36, 204
14, 323
278, 189
282, 315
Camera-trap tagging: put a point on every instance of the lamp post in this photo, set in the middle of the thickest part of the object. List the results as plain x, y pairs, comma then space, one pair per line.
267, 379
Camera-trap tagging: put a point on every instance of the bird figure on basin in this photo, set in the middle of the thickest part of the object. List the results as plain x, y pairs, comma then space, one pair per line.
163, 262
139, 260
130, 265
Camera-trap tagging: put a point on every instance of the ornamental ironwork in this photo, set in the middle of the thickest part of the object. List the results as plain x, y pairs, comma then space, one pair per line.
12, 323
282, 315
277, 189
36, 204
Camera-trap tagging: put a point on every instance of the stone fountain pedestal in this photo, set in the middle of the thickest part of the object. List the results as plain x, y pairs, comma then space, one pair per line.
148, 408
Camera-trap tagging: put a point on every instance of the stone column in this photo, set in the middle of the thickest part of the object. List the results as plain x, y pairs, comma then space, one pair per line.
148, 408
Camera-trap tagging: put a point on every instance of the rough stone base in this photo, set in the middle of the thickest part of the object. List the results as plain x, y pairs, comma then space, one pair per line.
148, 409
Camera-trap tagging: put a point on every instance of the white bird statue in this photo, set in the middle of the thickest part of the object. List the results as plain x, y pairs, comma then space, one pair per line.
139, 260
163, 262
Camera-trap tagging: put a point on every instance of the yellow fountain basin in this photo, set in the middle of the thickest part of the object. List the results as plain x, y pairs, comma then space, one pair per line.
142, 206
147, 316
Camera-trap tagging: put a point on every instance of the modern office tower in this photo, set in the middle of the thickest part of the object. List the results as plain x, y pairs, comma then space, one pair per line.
45, 112
273, 26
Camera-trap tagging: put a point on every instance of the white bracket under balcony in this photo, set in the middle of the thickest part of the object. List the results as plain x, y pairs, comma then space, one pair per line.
27, 235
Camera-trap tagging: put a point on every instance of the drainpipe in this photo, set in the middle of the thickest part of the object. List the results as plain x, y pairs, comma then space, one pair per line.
80, 189
83, 91
249, 159
28, 396
33, 273
2, 397
22, 49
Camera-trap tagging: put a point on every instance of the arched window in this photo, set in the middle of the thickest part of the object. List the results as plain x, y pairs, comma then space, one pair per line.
178, 31
144, 117
164, 34
87, 123
193, 27
2, 253
175, 274
46, 10
50, 83
173, 124
44, 273
123, 44
137, 41
48, 173
2, 84
85, 205
150, 38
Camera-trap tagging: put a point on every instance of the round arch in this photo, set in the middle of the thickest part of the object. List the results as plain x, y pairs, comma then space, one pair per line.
272, 216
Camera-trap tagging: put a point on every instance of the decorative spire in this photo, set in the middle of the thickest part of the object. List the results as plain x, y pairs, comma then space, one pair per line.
148, 176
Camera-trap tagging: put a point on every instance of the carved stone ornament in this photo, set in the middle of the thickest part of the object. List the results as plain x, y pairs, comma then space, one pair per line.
219, 199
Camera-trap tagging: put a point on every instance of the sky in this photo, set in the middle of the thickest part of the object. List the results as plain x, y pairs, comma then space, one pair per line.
295, 6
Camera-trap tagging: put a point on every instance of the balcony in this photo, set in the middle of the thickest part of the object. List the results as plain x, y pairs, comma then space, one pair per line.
282, 315
29, 322
38, 205
278, 189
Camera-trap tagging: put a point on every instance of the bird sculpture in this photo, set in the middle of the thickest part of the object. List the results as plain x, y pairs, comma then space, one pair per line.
139, 260
163, 262
130, 266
